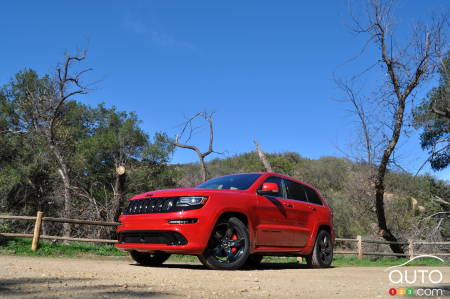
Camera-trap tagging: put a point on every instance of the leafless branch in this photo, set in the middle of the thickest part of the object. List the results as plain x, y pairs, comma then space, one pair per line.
353, 98
201, 155
440, 200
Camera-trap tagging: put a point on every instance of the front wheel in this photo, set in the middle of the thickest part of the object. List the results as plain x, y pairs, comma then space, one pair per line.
149, 259
322, 255
228, 247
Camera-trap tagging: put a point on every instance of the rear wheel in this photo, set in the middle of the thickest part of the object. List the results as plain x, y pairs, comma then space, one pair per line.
228, 247
149, 259
322, 255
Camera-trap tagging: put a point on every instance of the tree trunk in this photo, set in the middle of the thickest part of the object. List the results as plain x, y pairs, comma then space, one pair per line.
114, 211
382, 225
262, 157
64, 174
203, 170
67, 201
381, 173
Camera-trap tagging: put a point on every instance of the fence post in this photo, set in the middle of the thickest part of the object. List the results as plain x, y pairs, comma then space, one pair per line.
360, 249
410, 249
37, 231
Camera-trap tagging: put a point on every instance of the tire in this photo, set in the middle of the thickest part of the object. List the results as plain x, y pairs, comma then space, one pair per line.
253, 260
322, 255
149, 259
228, 246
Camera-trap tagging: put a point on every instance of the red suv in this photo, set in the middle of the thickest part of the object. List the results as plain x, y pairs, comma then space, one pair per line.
230, 222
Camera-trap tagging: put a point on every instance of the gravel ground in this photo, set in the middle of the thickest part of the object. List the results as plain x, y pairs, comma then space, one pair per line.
35, 277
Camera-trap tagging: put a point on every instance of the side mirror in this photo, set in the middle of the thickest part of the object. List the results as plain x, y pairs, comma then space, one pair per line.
269, 189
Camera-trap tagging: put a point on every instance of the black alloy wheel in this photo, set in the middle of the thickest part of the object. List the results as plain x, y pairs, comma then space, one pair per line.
228, 247
322, 255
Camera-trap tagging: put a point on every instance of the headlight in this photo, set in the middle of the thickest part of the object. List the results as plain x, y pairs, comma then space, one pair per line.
187, 201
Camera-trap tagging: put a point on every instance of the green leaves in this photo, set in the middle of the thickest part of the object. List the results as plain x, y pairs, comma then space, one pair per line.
93, 142
436, 127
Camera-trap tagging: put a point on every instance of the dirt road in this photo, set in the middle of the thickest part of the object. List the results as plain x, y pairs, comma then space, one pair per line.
121, 278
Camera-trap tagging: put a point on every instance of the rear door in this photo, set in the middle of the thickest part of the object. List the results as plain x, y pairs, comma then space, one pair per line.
300, 214
321, 212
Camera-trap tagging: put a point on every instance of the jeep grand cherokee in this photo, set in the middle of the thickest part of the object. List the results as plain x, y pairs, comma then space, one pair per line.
230, 222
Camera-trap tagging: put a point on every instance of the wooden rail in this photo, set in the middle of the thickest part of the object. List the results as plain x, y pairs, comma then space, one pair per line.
77, 221
39, 218
410, 252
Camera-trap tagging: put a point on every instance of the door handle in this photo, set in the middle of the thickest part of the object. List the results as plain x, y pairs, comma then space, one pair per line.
288, 205
314, 209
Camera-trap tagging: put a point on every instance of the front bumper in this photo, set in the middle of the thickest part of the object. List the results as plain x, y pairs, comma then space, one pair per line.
153, 232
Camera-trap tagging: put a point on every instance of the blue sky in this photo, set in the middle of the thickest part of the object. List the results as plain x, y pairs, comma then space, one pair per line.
264, 67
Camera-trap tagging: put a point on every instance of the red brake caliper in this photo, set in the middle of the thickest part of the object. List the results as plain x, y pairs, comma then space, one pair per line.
234, 249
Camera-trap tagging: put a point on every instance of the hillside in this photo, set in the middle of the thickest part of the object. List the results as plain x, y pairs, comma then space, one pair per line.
346, 187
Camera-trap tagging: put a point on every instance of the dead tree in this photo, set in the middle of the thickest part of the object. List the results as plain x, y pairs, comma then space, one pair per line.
262, 157
356, 101
188, 126
445, 95
405, 68
46, 117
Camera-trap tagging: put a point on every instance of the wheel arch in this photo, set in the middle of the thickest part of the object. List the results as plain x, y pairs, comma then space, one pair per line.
324, 227
241, 215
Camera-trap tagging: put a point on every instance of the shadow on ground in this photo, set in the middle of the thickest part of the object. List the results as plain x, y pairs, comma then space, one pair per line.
79, 287
262, 266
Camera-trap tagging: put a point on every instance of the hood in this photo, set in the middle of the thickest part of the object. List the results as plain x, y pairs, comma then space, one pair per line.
181, 192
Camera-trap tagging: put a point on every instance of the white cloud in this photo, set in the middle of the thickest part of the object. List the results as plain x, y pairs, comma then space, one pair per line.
148, 28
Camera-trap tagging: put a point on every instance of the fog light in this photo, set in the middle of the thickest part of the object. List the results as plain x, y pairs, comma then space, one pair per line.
183, 221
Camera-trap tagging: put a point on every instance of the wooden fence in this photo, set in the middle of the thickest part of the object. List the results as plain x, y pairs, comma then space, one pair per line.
359, 252
39, 218
411, 252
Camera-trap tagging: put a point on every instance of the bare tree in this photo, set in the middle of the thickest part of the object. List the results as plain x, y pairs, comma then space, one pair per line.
405, 69
359, 110
45, 113
445, 94
189, 129
262, 157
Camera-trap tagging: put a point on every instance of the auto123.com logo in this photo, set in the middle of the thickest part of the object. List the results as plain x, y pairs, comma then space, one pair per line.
405, 278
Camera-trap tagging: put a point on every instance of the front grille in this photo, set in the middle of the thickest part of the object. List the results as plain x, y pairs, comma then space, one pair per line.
155, 205
151, 205
151, 237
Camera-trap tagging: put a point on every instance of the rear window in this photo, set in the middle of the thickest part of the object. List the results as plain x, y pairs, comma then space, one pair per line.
295, 191
231, 182
312, 196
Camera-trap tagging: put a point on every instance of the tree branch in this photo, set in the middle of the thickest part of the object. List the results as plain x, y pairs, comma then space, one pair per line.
201, 156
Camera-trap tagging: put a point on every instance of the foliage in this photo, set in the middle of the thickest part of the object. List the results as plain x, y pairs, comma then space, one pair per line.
435, 137
347, 188
20, 246
91, 141
96, 140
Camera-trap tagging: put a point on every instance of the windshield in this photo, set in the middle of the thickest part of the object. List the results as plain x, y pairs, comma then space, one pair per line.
231, 182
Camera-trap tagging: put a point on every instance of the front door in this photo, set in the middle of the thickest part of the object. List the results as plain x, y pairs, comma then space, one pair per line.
273, 227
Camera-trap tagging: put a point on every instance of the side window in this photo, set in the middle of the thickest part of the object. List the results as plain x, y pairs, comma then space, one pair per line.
295, 191
279, 182
312, 196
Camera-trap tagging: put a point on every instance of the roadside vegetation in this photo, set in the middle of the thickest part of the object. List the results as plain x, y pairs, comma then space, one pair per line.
413, 206
22, 247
